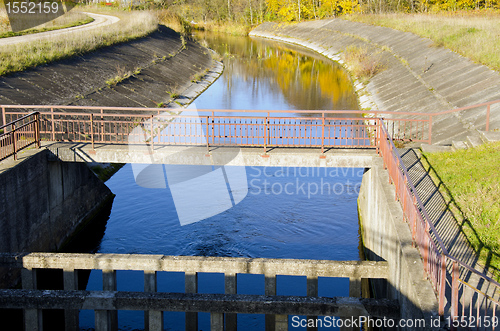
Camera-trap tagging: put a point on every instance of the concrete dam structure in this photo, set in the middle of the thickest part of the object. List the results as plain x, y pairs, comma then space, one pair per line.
411, 271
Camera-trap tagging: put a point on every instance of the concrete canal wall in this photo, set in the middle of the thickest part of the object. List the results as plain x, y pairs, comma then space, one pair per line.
387, 237
418, 77
159, 65
43, 203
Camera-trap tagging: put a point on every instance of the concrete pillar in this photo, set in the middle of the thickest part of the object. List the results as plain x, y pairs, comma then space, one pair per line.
153, 320
191, 286
274, 322
109, 284
355, 287
101, 320
312, 291
217, 322
32, 317
354, 291
230, 284
71, 321
270, 289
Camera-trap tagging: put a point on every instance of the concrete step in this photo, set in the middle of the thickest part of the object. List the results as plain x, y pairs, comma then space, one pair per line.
474, 141
426, 148
458, 145
489, 137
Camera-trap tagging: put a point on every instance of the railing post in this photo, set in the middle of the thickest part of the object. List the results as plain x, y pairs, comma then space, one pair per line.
13, 130
102, 126
4, 120
208, 145
153, 319
230, 280
71, 320
442, 288
265, 138
37, 129
92, 130
32, 317
152, 134
213, 128
454, 290
53, 124
268, 128
488, 118
430, 130
191, 286
323, 134
426, 249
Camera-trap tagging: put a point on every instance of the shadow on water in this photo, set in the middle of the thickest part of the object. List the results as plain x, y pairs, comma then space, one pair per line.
88, 240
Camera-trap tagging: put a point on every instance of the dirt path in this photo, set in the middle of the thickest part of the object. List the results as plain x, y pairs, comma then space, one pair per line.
99, 21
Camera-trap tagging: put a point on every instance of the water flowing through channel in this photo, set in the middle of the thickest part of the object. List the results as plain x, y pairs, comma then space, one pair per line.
304, 213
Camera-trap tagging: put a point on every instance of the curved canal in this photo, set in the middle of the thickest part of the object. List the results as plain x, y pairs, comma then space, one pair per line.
307, 213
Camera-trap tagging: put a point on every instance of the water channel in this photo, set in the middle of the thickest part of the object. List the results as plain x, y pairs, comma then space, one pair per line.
306, 213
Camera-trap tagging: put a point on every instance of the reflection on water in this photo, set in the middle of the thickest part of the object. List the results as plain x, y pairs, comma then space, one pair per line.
262, 74
286, 212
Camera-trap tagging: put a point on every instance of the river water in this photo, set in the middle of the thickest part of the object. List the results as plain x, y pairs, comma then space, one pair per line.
303, 213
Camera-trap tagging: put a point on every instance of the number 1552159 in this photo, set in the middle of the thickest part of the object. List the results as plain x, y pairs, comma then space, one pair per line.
32, 7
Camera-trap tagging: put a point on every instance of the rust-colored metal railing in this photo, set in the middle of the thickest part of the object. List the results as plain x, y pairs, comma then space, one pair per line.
441, 268
322, 129
210, 130
19, 134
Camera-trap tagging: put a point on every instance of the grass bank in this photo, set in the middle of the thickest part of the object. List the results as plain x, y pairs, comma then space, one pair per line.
472, 183
473, 34
132, 25
69, 20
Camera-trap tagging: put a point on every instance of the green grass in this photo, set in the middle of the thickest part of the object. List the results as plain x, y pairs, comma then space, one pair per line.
471, 181
473, 34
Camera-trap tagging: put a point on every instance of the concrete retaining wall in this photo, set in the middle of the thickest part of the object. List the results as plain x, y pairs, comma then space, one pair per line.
387, 237
418, 78
43, 203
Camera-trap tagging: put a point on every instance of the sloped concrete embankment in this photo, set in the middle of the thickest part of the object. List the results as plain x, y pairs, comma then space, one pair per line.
418, 77
159, 65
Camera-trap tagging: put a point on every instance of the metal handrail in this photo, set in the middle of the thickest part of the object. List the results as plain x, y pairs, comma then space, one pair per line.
11, 130
404, 171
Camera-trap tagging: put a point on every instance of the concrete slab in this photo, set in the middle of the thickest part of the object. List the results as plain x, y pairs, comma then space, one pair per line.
459, 144
474, 141
426, 148
275, 157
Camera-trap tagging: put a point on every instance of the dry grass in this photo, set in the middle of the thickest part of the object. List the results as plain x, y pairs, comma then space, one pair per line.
132, 25
361, 63
174, 21
179, 24
473, 34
